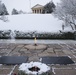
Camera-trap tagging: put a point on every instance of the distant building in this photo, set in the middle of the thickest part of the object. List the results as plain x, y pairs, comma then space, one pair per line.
37, 9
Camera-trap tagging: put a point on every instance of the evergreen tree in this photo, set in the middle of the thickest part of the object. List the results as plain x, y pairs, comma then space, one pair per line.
14, 11
49, 7
3, 10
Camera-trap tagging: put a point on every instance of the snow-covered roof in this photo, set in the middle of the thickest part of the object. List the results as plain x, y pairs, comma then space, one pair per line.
37, 6
32, 22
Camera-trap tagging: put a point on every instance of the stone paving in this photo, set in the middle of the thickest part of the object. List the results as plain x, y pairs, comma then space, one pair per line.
36, 52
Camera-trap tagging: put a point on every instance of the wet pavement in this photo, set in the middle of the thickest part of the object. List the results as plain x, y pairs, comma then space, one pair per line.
29, 41
49, 48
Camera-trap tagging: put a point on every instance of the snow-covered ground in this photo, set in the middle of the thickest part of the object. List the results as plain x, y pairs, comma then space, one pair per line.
32, 22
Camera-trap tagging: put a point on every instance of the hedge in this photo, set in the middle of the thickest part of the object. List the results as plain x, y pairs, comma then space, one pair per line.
39, 35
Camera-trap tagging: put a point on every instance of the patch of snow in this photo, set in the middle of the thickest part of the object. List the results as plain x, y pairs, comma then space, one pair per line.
0, 64
25, 67
32, 22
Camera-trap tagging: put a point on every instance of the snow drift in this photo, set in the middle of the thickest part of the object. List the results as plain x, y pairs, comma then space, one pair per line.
32, 22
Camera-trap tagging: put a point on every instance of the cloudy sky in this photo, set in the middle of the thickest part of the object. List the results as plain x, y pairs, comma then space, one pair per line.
24, 5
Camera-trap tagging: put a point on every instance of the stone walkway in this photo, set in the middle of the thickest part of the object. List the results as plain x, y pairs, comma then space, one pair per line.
36, 52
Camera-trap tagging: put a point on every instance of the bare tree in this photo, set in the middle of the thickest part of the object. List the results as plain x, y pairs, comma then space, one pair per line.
66, 11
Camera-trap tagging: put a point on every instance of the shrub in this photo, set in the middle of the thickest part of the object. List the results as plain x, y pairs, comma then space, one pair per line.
46, 73
5, 34
44, 35
22, 73
39, 35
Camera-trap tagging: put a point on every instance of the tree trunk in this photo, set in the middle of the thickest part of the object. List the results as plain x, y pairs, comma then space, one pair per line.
72, 27
75, 27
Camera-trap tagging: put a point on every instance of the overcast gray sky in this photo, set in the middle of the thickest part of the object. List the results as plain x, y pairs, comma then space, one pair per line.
24, 4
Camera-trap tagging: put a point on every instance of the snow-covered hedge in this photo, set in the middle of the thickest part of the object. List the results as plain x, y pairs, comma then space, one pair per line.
44, 35
7, 34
